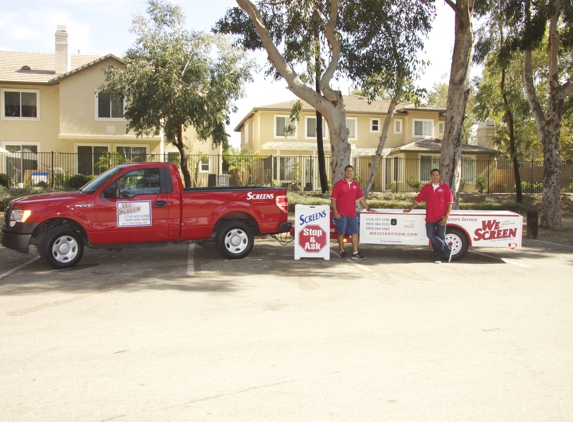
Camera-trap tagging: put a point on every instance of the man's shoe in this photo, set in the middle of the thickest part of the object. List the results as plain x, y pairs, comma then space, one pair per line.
342, 255
356, 255
437, 262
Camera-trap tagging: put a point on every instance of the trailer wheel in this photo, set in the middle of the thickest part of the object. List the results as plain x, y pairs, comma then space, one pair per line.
234, 239
61, 247
458, 241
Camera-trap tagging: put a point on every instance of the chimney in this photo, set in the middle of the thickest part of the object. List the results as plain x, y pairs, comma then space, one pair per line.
485, 134
63, 64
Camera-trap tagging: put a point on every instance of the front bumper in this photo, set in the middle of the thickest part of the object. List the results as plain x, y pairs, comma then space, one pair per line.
17, 237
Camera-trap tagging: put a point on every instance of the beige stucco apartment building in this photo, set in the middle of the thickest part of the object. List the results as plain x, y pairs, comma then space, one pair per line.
50, 104
412, 147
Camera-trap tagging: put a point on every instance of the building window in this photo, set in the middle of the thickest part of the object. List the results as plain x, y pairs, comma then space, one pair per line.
352, 124
423, 128
398, 126
93, 159
394, 172
109, 108
310, 132
23, 104
132, 154
281, 124
427, 163
374, 125
441, 126
204, 165
469, 169
20, 161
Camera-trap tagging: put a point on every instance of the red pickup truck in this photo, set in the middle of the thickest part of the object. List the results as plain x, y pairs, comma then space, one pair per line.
140, 203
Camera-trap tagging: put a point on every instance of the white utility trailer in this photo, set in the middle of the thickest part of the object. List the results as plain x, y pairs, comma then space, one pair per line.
489, 229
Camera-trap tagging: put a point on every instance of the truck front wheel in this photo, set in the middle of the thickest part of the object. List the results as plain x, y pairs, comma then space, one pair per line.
458, 241
234, 239
61, 247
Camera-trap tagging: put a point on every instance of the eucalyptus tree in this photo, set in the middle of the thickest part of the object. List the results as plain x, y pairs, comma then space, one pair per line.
382, 40
500, 95
549, 20
174, 79
500, 81
458, 94
304, 30
307, 29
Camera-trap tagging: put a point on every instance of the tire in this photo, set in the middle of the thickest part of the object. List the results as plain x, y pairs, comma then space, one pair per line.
234, 240
61, 247
458, 241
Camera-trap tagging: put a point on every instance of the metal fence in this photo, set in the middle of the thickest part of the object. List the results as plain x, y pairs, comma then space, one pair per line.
54, 169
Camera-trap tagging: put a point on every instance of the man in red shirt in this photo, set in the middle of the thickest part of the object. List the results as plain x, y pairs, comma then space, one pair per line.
345, 192
439, 202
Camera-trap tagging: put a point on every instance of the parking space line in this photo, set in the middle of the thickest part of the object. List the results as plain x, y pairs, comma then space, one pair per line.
507, 261
552, 243
191, 260
336, 254
7, 273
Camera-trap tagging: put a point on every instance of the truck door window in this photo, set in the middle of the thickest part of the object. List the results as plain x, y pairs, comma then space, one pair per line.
139, 182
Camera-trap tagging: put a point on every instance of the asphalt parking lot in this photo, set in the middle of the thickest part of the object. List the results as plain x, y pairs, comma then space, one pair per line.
176, 332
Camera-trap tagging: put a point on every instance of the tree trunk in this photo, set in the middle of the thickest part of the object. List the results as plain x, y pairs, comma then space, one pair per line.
548, 126
512, 149
380, 148
458, 93
181, 147
320, 143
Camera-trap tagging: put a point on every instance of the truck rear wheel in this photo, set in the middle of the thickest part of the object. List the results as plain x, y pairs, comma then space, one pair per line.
458, 241
234, 239
61, 247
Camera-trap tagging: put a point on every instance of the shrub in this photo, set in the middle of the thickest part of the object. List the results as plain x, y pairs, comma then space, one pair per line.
5, 180
415, 184
77, 181
480, 184
462, 185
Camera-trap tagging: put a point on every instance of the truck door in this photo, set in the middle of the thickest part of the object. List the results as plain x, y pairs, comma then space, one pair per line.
139, 214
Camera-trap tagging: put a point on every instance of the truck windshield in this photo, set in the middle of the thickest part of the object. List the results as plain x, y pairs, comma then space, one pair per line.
95, 184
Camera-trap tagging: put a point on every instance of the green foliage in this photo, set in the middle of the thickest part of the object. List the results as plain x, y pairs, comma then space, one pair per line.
462, 185
296, 176
391, 187
241, 163
5, 180
500, 187
174, 79
480, 184
527, 187
77, 181
415, 184
6, 195
109, 160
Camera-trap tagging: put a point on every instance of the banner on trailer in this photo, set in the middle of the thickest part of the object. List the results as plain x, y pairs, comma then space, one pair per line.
312, 232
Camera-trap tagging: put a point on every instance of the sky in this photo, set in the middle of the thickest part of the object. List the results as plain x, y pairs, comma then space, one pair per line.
102, 27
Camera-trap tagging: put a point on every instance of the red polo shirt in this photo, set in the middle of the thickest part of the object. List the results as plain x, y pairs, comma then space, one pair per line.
437, 200
346, 195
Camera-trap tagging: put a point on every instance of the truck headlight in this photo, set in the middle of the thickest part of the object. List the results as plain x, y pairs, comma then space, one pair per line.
19, 216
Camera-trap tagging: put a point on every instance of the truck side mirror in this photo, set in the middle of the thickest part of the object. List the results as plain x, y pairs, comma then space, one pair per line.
111, 192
